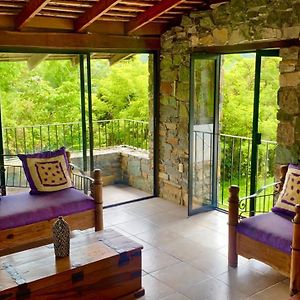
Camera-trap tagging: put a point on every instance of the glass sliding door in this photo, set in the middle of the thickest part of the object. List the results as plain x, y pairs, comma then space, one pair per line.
204, 99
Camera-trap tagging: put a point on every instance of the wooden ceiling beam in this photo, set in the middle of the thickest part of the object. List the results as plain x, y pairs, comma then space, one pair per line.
31, 8
93, 13
76, 42
117, 57
35, 60
151, 13
50, 24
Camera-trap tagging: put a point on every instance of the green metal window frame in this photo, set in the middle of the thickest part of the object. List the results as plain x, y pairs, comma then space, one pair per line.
86, 55
217, 59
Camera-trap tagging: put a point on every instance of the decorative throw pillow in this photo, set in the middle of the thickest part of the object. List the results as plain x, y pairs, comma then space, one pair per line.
47, 171
290, 194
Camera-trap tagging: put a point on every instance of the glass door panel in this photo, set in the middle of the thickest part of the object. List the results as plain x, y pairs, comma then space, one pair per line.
203, 126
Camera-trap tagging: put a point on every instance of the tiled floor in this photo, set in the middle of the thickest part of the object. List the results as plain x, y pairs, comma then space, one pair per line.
185, 258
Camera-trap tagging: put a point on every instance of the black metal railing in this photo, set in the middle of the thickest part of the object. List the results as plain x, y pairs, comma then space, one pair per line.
107, 133
235, 168
234, 154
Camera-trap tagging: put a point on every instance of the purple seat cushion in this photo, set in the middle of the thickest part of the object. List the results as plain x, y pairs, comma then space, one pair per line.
24, 208
270, 229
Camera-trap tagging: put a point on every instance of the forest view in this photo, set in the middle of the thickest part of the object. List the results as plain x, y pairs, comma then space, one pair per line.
50, 93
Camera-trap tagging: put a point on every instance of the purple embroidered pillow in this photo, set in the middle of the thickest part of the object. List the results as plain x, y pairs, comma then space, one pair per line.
47, 171
290, 194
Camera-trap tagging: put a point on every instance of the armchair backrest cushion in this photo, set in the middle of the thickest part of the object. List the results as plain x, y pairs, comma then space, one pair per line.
47, 171
289, 197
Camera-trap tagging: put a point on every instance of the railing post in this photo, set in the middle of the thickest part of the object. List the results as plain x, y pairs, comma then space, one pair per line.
97, 195
295, 255
233, 217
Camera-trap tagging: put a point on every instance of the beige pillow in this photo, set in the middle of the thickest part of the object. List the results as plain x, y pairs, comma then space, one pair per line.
290, 194
47, 171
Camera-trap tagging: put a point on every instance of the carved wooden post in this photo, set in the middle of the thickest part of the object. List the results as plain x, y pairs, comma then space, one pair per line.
233, 217
295, 256
97, 194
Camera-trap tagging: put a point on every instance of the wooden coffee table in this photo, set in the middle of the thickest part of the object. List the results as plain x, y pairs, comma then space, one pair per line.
102, 265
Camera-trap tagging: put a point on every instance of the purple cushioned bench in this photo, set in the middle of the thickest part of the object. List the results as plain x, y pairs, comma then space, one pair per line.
270, 229
23, 209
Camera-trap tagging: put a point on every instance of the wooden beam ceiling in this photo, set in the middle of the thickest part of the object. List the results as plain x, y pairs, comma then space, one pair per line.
35, 60
31, 8
93, 13
151, 13
117, 57
76, 42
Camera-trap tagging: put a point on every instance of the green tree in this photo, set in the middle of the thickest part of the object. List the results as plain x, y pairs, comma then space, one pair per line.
123, 93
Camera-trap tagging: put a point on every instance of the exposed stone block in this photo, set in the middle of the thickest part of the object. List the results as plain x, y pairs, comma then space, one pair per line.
171, 126
172, 133
206, 22
287, 154
206, 40
285, 134
270, 33
166, 88
290, 53
134, 168
163, 176
288, 100
291, 32
220, 36
283, 116
184, 73
236, 37
182, 91
162, 132
172, 140
290, 79
169, 74
287, 66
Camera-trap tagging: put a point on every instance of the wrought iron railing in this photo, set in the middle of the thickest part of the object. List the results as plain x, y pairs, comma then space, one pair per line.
107, 133
234, 161
234, 152
235, 169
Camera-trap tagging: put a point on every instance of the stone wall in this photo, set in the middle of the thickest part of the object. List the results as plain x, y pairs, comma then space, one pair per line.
123, 165
288, 131
236, 22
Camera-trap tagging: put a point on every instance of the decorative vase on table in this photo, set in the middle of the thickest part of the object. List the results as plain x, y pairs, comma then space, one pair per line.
61, 238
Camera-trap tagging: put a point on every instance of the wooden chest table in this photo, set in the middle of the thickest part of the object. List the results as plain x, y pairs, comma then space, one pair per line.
102, 265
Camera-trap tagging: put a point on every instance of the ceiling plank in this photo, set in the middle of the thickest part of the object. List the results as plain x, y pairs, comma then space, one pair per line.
151, 13
76, 42
35, 60
117, 57
31, 8
93, 13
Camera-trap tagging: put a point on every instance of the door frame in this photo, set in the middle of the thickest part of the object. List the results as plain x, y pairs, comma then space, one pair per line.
256, 136
217, 59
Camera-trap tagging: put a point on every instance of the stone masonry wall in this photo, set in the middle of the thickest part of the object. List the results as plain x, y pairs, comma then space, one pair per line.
123, 165
236, 22
288, 131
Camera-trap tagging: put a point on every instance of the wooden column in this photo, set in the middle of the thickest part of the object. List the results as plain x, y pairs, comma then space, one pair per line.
295, 256
97, 194
233, 217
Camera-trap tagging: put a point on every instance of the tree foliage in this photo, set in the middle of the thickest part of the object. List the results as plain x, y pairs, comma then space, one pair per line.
238, 93
50, 93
